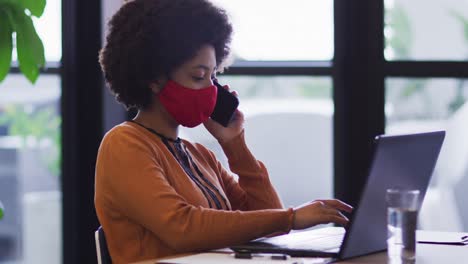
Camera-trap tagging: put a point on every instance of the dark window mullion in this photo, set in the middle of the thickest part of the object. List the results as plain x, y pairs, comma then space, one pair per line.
359, 92
51, 68
82, 126
269, 71
288, 68
441, 69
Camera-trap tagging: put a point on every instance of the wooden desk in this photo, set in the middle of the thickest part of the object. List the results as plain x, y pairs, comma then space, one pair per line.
425, 253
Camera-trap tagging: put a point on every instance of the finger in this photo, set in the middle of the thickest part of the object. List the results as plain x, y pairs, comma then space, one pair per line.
235, 93
338, 220
332, 211
335, 215
337, 204
343, 216
210, 124
318, 203
226, 87
238, 115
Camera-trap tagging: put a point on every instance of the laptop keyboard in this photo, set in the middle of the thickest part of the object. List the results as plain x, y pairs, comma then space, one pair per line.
326, 239
322, 244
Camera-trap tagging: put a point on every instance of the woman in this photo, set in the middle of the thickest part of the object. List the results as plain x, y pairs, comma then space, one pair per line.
157, 194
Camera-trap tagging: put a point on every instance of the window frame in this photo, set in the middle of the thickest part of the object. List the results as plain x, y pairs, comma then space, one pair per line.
82, 108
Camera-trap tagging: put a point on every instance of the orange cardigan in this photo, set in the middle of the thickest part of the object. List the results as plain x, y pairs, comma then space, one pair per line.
149, 208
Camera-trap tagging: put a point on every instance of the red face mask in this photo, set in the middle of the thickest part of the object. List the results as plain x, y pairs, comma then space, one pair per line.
189, 107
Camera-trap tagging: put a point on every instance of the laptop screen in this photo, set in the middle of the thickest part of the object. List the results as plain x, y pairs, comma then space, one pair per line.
400, 161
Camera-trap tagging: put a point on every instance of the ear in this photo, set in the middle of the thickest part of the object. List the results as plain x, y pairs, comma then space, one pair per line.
157, 85
155, 88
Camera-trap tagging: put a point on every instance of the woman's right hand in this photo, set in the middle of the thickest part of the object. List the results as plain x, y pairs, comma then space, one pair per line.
320, 212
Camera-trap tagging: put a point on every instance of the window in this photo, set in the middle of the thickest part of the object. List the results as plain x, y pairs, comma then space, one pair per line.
427, 89
30, 147
285, 31
438, 33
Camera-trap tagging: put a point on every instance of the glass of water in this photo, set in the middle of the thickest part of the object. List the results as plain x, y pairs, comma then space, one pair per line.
402, 218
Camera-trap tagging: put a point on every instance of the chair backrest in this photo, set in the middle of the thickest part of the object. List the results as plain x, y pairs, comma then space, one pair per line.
297, 150
293, 137
452, 167
102, 252
453, 161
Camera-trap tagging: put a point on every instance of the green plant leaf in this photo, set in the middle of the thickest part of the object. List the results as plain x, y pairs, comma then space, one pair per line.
463, 21
6, 45
401, 40
41, 124
2, 2
28, 44
35, 6
465, 25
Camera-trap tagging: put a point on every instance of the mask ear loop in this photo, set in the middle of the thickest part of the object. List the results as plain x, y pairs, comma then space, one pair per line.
158, 84
155, 88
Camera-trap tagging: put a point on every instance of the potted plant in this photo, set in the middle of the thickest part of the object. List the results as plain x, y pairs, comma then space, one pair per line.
16, 26
17, 31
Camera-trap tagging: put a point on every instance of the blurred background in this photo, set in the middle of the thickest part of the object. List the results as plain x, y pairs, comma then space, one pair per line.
317, 80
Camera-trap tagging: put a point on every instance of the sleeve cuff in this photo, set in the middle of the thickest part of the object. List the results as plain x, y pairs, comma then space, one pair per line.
289, 224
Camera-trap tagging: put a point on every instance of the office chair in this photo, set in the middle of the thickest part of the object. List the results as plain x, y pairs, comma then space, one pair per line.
297, 153
300, 171
102, 252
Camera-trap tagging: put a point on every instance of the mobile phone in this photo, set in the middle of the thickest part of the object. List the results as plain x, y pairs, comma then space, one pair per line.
226, 105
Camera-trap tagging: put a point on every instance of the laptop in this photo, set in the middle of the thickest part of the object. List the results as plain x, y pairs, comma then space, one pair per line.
405, 161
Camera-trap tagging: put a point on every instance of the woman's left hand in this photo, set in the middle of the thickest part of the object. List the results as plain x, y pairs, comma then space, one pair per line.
234, 128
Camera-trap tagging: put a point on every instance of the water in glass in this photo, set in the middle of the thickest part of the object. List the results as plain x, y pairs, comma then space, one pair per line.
402, 233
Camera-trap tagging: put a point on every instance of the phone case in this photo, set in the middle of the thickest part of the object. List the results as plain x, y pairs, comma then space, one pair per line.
226, 105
